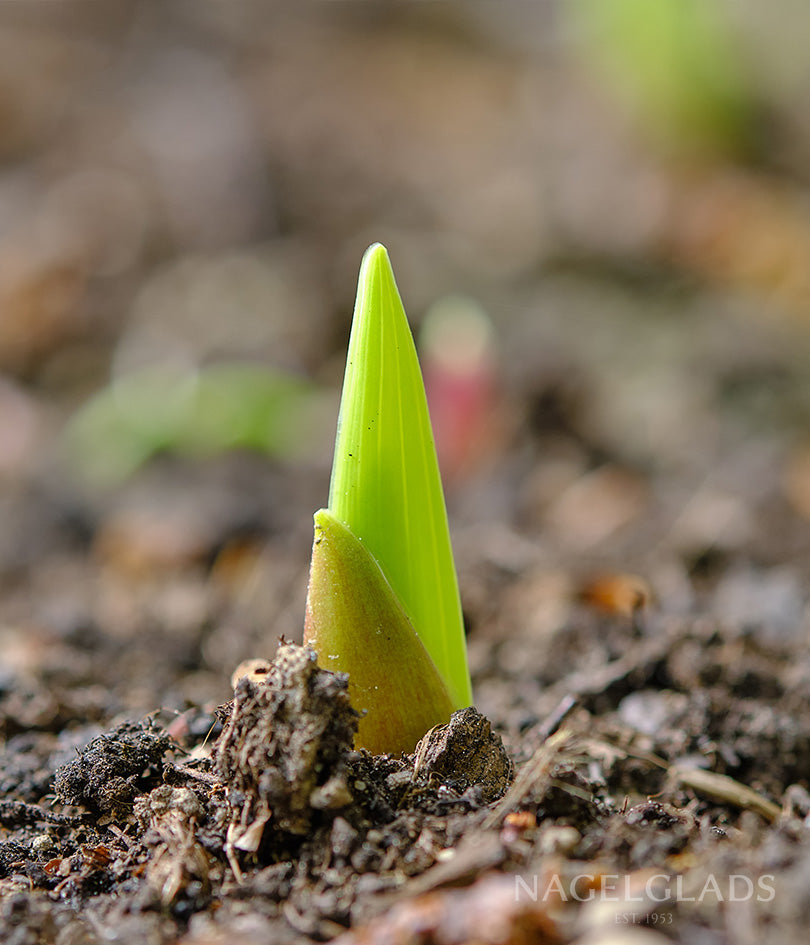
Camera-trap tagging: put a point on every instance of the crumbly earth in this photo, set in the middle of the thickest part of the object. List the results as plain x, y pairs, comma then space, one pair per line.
282, 808
277, 830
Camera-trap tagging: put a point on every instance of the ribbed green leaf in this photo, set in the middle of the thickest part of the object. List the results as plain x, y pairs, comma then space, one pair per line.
385, 479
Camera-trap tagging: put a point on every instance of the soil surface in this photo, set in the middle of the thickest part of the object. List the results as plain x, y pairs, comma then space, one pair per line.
627, 468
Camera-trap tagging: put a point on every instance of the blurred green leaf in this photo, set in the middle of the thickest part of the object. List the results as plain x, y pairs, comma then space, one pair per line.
202, 413
676, 64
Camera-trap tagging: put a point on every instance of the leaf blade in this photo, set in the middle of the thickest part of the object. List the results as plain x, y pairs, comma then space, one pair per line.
385, 483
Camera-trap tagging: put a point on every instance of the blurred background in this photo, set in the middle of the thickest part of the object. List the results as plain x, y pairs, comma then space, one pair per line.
599, 216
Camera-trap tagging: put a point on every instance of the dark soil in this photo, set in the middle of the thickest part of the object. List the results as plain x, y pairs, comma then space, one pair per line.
628, 484
648, 792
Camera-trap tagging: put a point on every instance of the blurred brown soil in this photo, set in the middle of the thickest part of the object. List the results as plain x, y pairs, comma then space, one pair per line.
630, 517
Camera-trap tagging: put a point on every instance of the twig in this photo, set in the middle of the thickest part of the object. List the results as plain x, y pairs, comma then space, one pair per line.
554, 720
725, 790
718, 787
18, 812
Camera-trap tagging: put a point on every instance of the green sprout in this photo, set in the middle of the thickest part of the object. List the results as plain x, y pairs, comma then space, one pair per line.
383, 602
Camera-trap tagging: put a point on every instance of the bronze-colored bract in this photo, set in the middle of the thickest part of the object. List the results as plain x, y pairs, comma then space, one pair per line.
355, 624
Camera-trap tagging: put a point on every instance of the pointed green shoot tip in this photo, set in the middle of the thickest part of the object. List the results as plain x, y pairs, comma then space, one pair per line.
385, 483
391, 676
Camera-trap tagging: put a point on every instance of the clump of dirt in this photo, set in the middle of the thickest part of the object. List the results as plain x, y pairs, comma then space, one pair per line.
464, 753
177, 860
113, 768
282, 754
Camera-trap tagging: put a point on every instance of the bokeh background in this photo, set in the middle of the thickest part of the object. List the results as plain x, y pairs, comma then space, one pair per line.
599, 216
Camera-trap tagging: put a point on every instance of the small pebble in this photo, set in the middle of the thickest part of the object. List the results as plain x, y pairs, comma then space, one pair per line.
41, 844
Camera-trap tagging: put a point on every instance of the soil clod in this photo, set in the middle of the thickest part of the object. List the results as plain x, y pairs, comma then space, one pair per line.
463, 753
113, 768
283, 751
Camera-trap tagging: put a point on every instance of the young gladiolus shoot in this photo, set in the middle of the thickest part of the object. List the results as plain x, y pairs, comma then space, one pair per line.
383, 602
